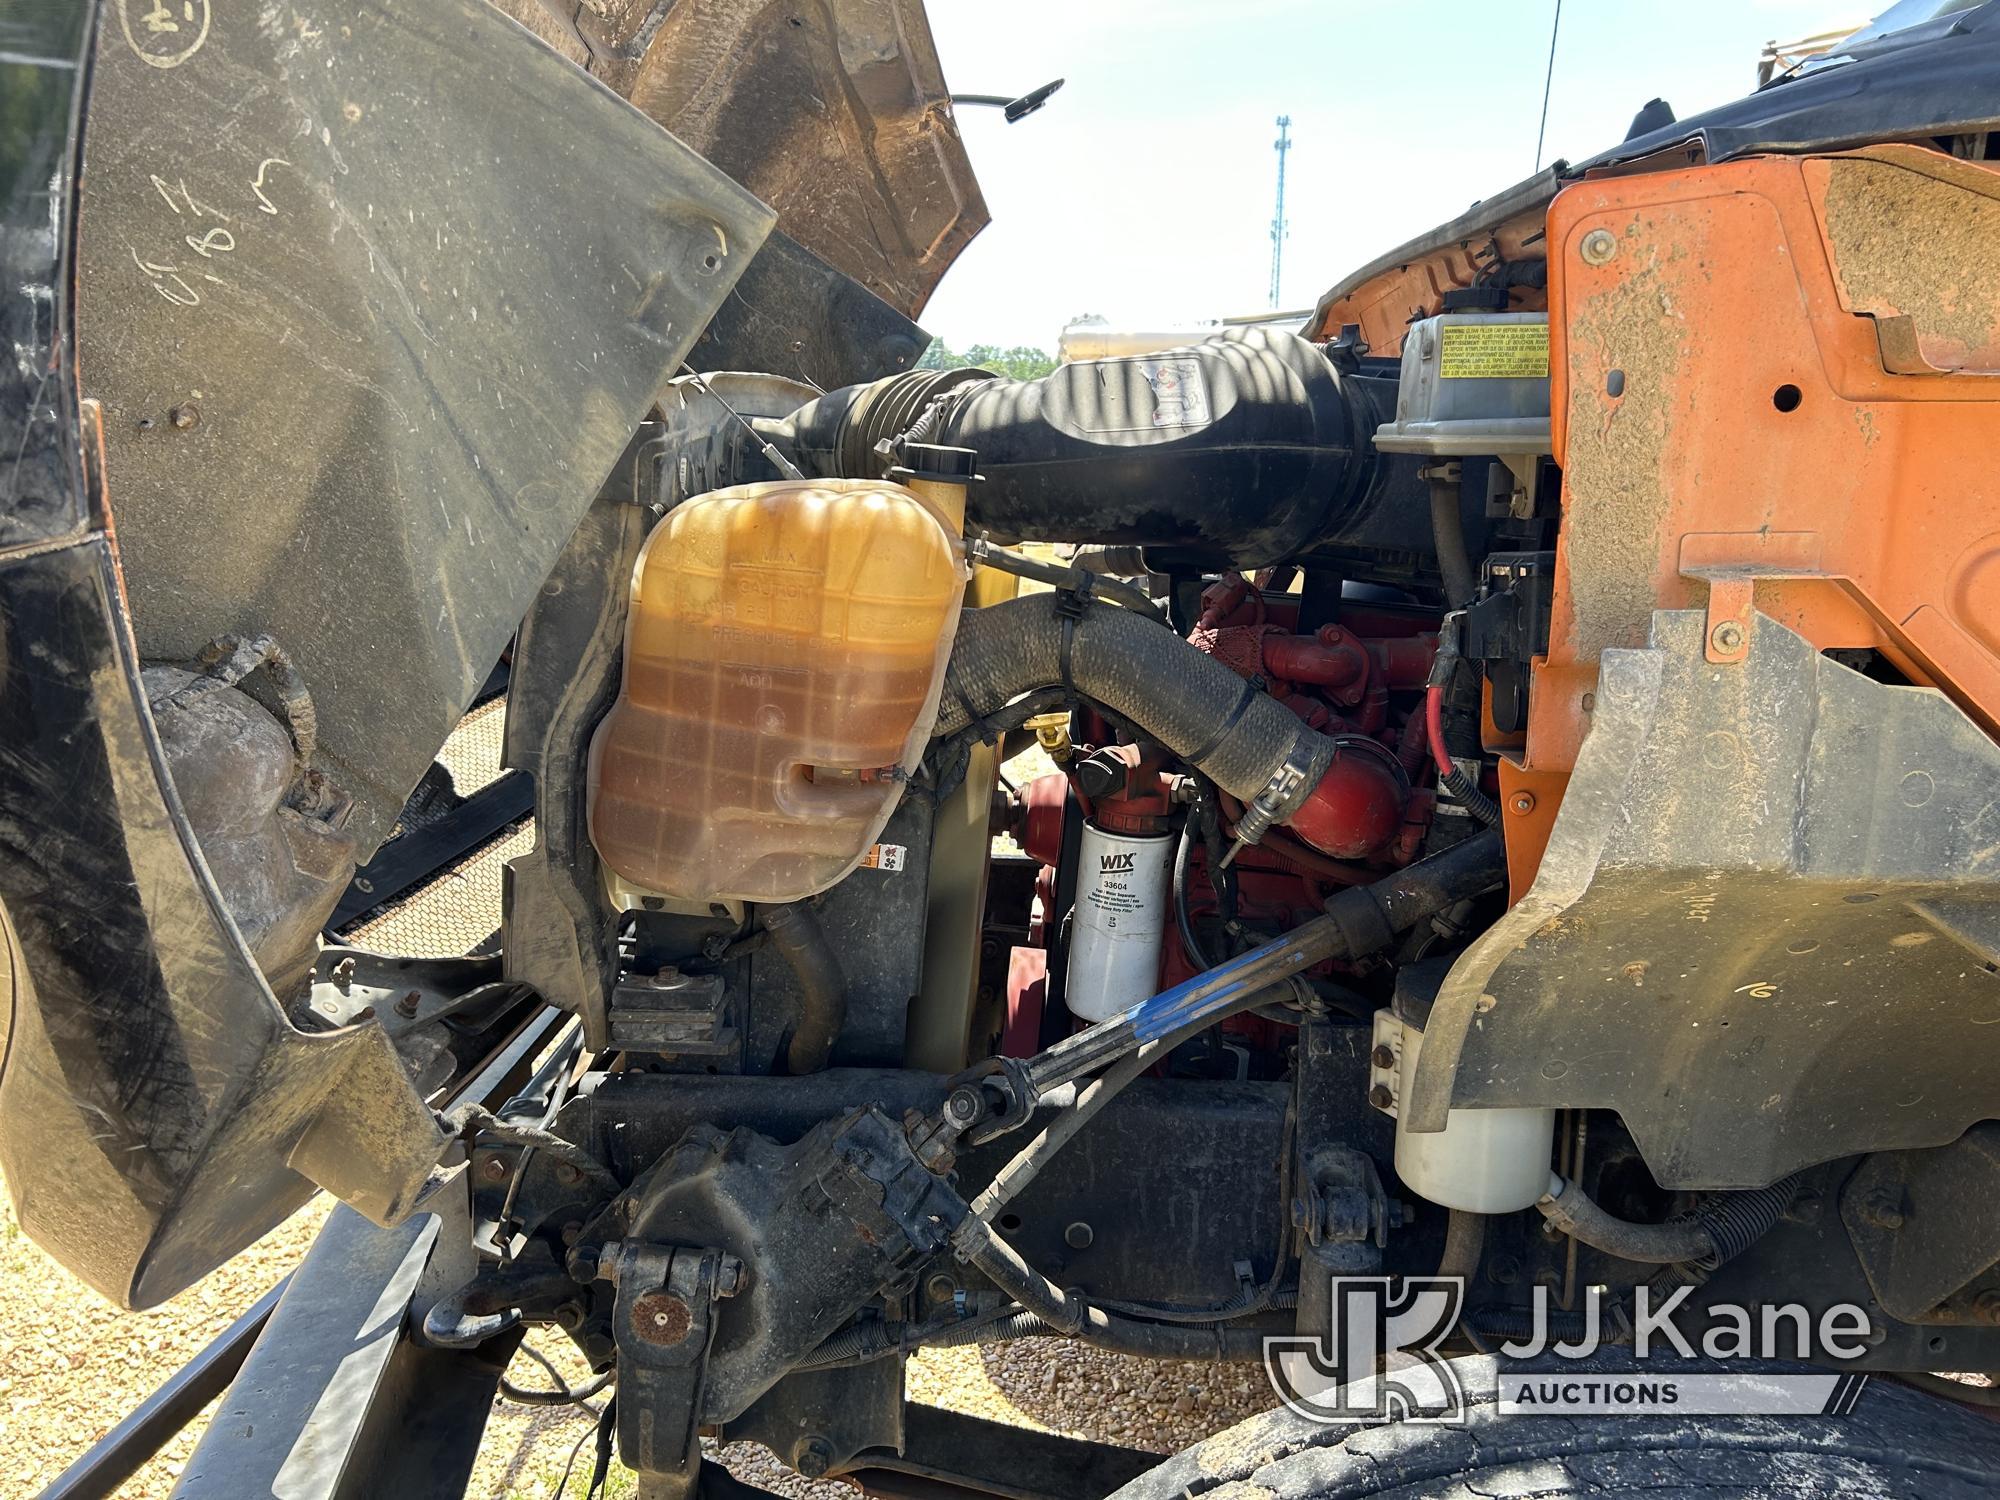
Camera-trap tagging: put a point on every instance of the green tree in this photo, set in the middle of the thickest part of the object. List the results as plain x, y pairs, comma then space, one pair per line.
1019, 363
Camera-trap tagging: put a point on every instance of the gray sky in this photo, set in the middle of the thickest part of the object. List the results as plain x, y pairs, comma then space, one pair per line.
1144, 190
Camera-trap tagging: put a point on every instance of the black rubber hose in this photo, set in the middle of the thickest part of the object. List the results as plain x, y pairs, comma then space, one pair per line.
1573, 1211
1464, 1243
1198, 708
1182, 873
1069, 1313
1720, 1228
796, 933
1119, 562
1448, 530
1736, 1221
1360, 920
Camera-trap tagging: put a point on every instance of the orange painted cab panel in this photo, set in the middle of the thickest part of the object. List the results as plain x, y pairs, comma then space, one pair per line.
1774, 391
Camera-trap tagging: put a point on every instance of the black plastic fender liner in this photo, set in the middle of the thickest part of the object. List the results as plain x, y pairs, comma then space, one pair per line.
159, 1109
361, 376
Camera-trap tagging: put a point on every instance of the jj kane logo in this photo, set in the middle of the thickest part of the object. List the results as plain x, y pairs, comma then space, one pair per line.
1380, 1357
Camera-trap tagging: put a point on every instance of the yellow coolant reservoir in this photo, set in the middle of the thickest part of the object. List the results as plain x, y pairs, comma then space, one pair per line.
783, 658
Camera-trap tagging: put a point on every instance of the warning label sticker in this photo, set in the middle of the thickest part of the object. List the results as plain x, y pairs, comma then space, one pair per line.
885, 857
1494, 351
1180, 395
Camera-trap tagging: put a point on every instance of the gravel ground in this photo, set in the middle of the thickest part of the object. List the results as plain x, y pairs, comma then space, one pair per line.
72, 1364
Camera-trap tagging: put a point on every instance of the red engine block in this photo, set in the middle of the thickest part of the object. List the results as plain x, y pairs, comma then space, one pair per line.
1360, 681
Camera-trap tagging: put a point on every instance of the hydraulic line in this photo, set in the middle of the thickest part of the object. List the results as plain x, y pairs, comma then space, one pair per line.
1359, 920
1072, 1315
1464, 1242
1091, 1098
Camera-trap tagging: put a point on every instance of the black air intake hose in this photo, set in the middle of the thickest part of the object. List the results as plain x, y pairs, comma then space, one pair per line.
1245, 448
1237, 735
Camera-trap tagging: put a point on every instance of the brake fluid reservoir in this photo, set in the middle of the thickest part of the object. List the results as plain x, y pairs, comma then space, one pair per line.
783, 657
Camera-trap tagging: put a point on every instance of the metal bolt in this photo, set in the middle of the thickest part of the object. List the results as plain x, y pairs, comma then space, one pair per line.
569, 1317
1380, 1097
940, 1287
572, 1232
568, 1174
815, 1458
184, 416
1986, 1307
407, 1006
731, 1277
1522, 802
1079, 1235
1883, 1208
963, 1106
1727, 637
1599, 246
1383, 1056
494, 1169
343, 973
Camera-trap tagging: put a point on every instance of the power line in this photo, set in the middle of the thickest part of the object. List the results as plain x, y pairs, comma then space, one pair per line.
1548, 83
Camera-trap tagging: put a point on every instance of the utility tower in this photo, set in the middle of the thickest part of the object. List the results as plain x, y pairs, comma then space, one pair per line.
1283, 144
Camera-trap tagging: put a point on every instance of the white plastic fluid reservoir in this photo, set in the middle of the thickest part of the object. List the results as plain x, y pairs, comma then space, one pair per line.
1120, 921
783, 658
1486, 1161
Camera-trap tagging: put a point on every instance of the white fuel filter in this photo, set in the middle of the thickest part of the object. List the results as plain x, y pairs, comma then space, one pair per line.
1120, 921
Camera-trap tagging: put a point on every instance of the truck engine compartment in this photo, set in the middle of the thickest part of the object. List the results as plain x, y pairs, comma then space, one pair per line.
1470, 842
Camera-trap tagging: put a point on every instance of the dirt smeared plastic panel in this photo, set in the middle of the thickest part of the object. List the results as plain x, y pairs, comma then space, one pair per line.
373, 296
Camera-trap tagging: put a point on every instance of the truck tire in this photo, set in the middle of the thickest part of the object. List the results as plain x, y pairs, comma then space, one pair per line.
1896, 1442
